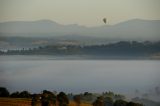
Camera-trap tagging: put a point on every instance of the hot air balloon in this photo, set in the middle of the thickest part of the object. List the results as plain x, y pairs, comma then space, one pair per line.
105, 20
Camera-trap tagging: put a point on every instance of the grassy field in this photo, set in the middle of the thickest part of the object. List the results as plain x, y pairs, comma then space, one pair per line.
15, 102
27, 102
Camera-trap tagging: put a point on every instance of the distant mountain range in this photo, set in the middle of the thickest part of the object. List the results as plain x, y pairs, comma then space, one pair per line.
25, 34
135, 29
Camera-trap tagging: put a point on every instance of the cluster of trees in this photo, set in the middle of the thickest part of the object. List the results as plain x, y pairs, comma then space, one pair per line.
105, 99
4, 92
23, 94
122, 48
108, 101
113, 96
46, 98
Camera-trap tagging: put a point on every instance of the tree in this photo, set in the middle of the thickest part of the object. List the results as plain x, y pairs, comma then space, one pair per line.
124, 103
24, 94
45, 99
4, 92
119, 97
36, 98
99, 101
77, 99
62, 99
133, 104
108, 101
120, 103
48, 98
15, 94
87, 94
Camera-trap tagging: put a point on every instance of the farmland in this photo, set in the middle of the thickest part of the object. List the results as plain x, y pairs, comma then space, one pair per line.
27, 102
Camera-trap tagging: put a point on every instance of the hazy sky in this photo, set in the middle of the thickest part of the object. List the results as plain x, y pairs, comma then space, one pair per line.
83, 12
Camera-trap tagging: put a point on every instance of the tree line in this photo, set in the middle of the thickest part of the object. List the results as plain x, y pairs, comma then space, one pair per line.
46, 98
121, 48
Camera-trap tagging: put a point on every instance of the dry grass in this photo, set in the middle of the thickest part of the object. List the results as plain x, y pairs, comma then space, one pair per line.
15, 102
27, 102
82, 104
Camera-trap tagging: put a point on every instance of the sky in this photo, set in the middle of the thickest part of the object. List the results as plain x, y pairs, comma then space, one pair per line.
82, 12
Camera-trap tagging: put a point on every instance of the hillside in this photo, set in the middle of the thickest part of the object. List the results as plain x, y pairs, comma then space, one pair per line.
118, 50
135, 29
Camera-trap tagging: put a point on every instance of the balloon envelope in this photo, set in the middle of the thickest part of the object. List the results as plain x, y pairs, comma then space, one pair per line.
105, 20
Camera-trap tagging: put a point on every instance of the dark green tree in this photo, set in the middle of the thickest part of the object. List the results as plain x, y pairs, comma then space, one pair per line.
24, 94
4, 92
48, 97
99, 101
119, 97
15, 94
120, 103
108, 101
62, 99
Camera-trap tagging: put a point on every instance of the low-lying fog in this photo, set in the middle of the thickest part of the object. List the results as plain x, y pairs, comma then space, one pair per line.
36, 73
